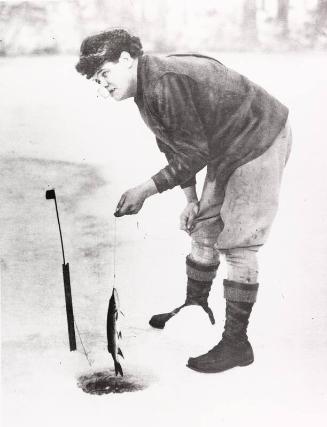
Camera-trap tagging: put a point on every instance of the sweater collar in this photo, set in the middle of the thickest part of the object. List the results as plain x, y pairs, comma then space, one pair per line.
139, 90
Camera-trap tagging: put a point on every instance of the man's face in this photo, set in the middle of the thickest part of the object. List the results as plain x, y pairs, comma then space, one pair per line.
118, 77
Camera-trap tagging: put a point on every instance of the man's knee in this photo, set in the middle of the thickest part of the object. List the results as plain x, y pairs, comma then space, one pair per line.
242, 264
204, 253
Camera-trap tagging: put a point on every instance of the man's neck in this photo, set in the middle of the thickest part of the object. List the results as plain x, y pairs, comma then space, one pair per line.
134, 78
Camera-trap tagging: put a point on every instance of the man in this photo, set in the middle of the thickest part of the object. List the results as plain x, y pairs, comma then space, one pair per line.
204, 115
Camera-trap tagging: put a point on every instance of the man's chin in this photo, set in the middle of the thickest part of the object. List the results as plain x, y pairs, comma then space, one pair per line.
116, 96
120, 95
119, 98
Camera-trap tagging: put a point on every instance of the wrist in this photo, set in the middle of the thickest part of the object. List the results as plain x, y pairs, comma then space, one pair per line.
148, 188
190, 194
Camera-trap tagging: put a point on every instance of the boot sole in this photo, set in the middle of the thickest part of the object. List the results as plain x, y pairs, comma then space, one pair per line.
157, 327
215, 371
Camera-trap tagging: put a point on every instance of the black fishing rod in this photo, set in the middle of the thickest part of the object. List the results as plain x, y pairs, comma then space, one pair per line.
51, 195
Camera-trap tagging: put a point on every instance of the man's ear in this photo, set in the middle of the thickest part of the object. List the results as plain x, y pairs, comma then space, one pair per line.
126, 58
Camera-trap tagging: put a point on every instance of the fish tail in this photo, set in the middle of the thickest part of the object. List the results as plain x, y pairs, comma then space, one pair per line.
118, 369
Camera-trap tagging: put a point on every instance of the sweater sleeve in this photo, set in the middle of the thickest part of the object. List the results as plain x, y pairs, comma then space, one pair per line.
185, 143
169, 156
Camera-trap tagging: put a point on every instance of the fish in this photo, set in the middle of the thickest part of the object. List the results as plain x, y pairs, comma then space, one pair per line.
113, 334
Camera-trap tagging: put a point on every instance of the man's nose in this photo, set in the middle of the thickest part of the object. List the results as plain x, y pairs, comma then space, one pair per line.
103, 82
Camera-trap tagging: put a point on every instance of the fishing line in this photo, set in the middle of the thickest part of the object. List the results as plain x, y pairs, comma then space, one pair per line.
115, 244
80, 338
114, 285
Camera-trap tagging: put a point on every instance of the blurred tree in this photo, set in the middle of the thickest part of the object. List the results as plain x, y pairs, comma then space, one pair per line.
79, 17
282, 18
24, 28
316, 27
58, 26
163, 38
249, 23
321, 17
102, 12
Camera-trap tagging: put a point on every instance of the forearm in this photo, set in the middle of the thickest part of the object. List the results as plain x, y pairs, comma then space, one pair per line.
190, 194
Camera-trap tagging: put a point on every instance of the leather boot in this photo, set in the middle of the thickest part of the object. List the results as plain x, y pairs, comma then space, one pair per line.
234, 348
200, 278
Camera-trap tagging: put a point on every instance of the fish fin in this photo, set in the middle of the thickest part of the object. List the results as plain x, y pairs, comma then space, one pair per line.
118, 369
119, 335
122, 313
120, 353
116, 315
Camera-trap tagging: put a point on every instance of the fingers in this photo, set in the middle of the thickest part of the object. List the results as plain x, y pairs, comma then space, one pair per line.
125, 210
123, 207
186, 223
190, 221
126, 206
183, 222
187, 218
190, 225
120, 205
118, 213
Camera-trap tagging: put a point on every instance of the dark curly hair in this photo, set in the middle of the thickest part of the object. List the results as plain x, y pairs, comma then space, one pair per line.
106, 46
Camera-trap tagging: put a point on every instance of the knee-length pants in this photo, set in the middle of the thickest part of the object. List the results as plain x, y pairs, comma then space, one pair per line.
239, 225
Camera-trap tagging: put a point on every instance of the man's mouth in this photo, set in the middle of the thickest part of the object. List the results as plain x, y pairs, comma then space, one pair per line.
112, 90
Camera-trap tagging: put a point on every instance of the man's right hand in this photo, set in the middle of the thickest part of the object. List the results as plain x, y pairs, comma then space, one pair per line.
188, 216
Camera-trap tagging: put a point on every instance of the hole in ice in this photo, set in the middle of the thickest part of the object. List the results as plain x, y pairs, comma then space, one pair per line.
105, 382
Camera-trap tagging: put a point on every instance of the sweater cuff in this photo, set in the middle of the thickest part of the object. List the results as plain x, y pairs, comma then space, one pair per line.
164, 180
189, 183
161, 182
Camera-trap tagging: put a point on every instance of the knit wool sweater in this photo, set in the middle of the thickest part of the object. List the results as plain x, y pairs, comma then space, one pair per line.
204, 114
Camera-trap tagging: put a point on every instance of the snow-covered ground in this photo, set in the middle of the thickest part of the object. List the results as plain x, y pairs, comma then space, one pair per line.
56, 133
